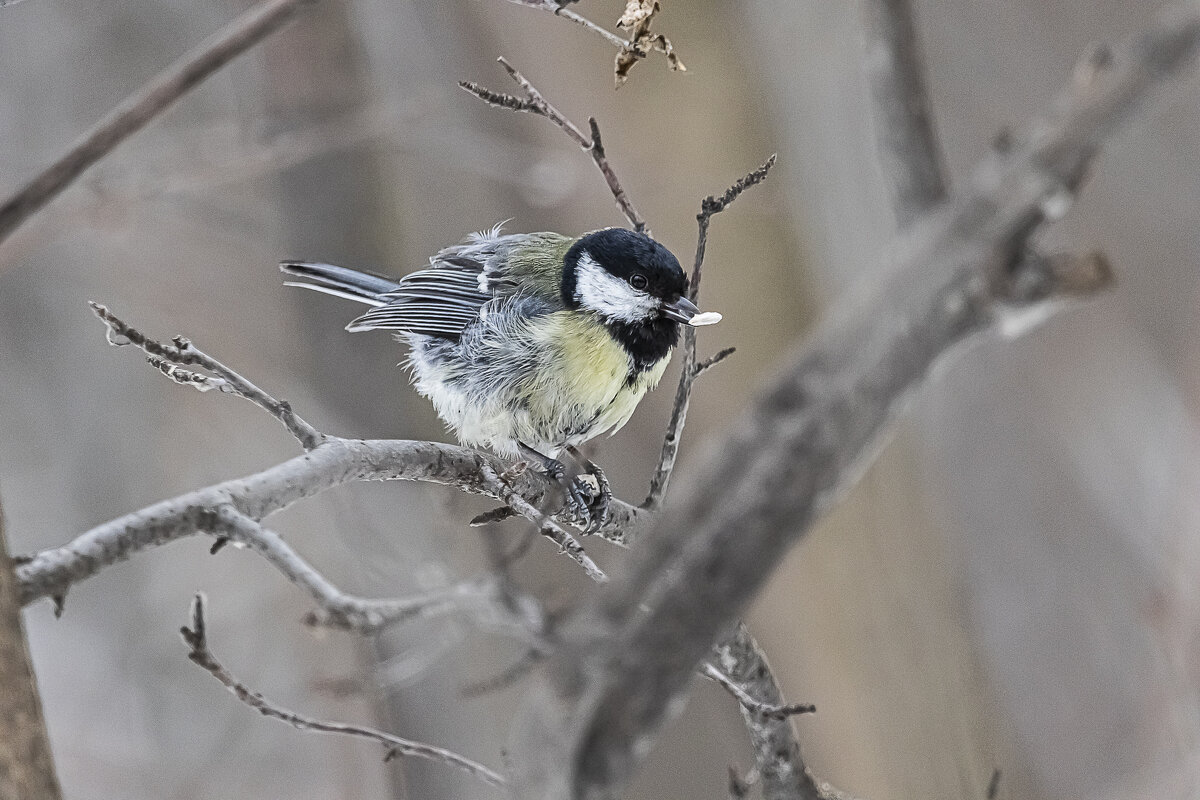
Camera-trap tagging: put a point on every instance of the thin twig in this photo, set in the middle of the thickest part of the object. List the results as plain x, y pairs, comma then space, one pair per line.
364, 615
166, 359
690, 369
567, 543
566, 13
777, 712
196, 638
137, 110
535, 103
908, 148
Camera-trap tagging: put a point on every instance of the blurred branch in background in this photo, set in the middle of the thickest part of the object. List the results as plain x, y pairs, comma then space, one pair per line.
908, 148
139, 108
196, 638
962, 271
26, 763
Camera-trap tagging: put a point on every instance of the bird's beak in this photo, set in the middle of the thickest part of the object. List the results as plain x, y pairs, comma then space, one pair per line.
685, 311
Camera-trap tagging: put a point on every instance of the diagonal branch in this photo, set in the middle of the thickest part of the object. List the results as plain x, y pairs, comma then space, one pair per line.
196, 638
567, 544
691, 370
167, 359
534, 103
767, 717
628, 654
911, 158
368, 616
137, 110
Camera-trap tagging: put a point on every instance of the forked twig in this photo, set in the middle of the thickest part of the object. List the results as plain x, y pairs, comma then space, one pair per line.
691, 370
535, 103
771, 711
168, 359
196, 638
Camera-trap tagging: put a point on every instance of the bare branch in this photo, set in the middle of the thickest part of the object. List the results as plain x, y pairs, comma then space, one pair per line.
26, 762
333, 463
776, 751
629, 653
347, 612
767, 711
629, 52
137, 110
690, 370
567, 543
566, 13
167, 358
534, 103
911, 158
196, 639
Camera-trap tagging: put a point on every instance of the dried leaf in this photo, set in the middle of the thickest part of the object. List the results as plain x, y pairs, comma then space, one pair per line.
638, 12
636, 19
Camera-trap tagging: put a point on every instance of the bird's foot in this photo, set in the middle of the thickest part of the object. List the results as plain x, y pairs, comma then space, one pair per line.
577, 497
599, 493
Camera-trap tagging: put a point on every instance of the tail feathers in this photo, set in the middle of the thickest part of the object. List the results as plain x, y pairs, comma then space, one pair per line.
340, 281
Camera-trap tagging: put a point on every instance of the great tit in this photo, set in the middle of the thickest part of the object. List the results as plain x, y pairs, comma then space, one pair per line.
531, 343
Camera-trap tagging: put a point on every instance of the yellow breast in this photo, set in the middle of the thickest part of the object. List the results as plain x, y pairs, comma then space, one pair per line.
587, 373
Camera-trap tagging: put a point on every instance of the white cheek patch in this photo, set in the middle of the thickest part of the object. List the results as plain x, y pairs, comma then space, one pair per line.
598, 290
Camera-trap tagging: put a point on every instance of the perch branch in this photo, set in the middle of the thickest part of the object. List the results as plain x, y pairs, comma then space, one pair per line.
691, 370
137, 110
534, 103
335, 462
196, 638
911, 159
567, 543
628, 654
168, 358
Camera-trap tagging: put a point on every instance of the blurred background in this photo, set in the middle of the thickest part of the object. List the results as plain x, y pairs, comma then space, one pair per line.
1012, 586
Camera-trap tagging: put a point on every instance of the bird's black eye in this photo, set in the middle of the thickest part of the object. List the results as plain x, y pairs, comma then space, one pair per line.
638, 281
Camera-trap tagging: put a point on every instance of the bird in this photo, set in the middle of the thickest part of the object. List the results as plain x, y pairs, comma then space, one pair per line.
531, 344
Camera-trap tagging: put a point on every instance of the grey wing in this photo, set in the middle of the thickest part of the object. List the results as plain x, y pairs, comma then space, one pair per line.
446, 298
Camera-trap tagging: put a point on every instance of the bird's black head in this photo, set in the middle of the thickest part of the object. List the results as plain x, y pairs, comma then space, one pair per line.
635, 285
621, 275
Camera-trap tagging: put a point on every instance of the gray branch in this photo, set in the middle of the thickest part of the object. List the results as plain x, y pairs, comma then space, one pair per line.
196, 638
139, 108
908, 148
629, 653
691, 370
535, 103
776, 750
334, 462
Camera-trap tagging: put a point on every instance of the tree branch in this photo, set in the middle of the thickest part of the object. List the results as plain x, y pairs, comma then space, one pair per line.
691, 370
168, 358
567, 544
534, 103
137, 110
26, 763
333, 463
776, 750
911, 158
196, 639
629, 653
